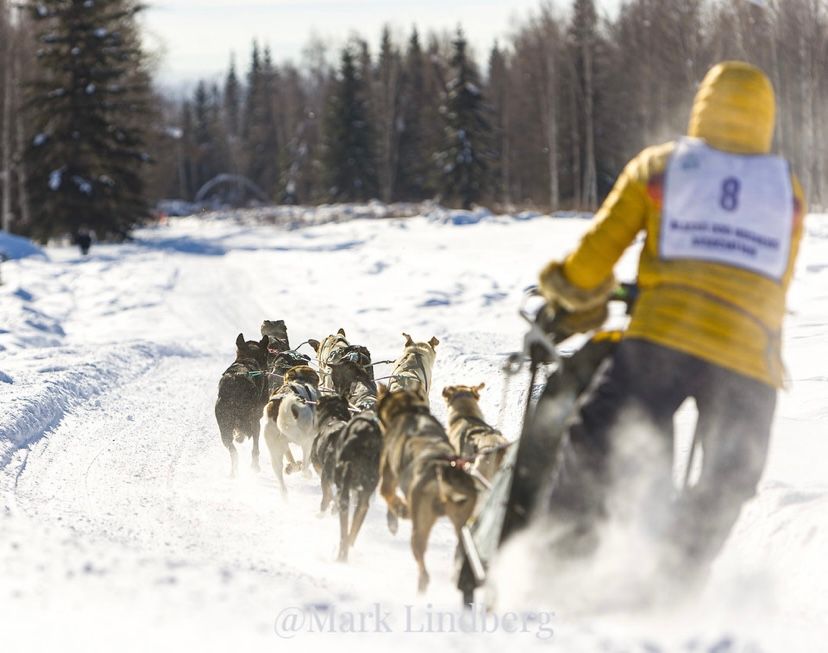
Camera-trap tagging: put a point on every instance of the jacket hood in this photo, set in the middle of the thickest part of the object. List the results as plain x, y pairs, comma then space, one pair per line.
734, 109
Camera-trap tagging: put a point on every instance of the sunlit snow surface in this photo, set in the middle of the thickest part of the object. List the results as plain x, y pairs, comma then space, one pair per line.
120, 529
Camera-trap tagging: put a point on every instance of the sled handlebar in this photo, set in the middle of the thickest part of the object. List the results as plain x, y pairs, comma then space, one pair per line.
548, 327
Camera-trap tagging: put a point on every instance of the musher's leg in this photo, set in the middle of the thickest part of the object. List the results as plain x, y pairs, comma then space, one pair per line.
736, 413
641, 388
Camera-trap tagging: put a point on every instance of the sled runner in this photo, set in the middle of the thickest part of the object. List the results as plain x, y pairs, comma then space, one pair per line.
515, 489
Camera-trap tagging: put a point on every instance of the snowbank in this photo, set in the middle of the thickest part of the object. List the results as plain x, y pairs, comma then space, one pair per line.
15, 247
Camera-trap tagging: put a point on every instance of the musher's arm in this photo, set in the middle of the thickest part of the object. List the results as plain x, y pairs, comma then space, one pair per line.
585, 277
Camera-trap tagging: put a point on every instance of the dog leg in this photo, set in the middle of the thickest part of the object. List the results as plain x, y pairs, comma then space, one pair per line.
359, 515
234, 460
292, 466
422, 521
306, 461
344, 514
327, 496
276, 445
226, 430
254, 433
388, 489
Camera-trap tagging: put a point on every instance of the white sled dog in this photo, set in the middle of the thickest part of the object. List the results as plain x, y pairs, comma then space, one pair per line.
412, 370
290, 416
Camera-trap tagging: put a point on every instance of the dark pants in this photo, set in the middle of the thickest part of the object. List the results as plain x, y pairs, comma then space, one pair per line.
632, 401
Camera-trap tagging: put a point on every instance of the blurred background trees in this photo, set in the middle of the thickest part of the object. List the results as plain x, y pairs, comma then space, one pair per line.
545, 119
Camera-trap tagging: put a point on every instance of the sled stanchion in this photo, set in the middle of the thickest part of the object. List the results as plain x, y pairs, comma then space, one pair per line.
691, 459
472, 557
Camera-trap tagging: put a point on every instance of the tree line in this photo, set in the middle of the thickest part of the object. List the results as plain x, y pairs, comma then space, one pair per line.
545, 119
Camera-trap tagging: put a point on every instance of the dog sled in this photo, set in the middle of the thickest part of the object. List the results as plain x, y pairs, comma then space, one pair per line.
514, 491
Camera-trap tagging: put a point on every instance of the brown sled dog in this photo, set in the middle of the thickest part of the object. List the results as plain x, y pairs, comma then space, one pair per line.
412, 370
418, 458
242, 392
469, 434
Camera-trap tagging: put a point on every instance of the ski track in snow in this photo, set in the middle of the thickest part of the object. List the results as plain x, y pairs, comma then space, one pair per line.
121, 528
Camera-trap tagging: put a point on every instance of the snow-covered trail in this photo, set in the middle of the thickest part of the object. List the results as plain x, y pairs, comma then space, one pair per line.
121, 526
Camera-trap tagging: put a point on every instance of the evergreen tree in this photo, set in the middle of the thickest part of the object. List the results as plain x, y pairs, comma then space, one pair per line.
210, 156
465, 154
232, 101
260, 129
349, 158
583, 33
497, 91
89, 105
387, 104
413, 166
186, 172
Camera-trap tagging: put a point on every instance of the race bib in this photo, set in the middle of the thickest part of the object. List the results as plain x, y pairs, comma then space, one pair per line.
727, 208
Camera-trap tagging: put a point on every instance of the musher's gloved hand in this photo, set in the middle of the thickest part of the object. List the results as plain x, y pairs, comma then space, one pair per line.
562, 323
558, 291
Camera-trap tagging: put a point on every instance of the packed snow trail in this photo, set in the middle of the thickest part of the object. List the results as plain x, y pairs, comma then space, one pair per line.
122, 528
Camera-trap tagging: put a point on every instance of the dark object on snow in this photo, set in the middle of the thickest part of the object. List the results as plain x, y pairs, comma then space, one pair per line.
83, 239
346, 455
242, 395
277, 334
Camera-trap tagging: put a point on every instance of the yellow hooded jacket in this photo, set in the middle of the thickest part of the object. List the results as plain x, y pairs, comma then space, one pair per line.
723, 314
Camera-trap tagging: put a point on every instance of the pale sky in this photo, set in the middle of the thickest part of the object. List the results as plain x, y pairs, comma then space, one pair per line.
195, 37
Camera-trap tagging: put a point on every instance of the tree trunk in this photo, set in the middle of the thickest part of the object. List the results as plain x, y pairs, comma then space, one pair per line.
551, 117
20, 129
6, 141
590, 197
576, 138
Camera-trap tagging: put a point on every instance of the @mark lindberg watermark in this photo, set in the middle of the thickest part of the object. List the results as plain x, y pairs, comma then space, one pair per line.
324, 619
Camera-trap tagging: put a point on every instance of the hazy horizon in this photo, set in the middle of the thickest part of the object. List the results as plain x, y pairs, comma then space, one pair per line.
196, 38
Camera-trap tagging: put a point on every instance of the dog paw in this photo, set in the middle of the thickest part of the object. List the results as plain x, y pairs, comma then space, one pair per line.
292, 468
393, 523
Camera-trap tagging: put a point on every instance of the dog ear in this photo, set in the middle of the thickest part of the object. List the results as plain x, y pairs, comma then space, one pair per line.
408, 340
448, 392
240, 344
476, 389
433, 342
382, 390
314, 343
342, 332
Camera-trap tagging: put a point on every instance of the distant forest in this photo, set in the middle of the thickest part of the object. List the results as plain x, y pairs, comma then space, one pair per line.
548, 122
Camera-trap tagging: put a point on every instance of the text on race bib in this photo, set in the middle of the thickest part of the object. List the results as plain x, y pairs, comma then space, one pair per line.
727, 208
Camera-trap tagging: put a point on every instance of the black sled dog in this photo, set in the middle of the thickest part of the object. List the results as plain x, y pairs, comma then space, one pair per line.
242, 394
346, 452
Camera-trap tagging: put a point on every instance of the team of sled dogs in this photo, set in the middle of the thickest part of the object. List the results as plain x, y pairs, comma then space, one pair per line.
357, 434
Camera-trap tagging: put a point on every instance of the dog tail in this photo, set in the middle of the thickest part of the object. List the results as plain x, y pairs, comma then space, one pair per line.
455, 486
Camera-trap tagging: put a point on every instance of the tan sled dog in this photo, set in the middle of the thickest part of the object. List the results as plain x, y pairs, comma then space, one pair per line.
418, 459
325, 352
290, 416
412, 370
468, 432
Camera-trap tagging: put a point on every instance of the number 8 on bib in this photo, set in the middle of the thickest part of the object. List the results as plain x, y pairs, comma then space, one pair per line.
727, 208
